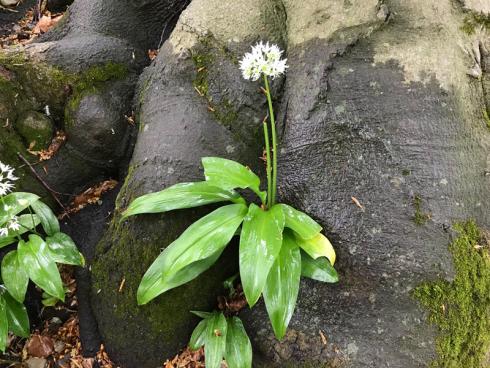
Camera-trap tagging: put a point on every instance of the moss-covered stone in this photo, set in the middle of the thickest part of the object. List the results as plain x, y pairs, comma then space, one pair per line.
36, 128
461, 309
30, 85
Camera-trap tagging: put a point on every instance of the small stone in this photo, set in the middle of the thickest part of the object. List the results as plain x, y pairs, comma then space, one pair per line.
383, 12
59, 346
9, 2
36, 128
36, 363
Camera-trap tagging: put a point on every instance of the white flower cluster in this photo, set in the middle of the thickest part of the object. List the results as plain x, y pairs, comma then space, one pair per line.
264, 59
6, 185
6, 179
13, 225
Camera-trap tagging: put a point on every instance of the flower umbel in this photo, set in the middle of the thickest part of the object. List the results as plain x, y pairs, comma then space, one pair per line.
14, 224
265, 59
6, 178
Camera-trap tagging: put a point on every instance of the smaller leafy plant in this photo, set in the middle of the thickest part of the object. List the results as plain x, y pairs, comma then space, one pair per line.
278, 243
34, 257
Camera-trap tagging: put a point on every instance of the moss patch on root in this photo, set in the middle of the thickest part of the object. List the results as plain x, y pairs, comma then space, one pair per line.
486, 117
420, 218
474, 20
461, 309
204, 58
91, 81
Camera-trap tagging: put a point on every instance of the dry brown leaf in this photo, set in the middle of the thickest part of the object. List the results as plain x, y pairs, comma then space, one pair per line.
187, 359
90, 196
323, 337
358, 204
45, 23
53, 148
121, 285
152, 54
40, 346
88, 363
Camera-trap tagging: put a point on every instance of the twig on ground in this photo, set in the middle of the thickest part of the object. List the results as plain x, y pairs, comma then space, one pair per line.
43, 183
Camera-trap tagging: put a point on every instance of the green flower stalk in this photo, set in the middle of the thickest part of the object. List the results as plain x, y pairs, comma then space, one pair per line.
265, 60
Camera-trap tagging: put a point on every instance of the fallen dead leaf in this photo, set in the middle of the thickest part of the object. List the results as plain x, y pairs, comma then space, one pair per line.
152, 54
90, 196
187, 359
121, 285
45, 23
40, 346
358, 204
53, 148
323, 337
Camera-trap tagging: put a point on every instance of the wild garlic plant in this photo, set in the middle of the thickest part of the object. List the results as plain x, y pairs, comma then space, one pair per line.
278, 243
33, 256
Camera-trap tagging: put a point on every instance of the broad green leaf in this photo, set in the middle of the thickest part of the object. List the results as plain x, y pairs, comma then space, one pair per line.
215, 340
300, 222
63, 250
183, 195
49, 301
49, 221
4, 325
282, 286
26, 222
202, 315
198, 338
201, 244
318, 246
260, 243
15, 202
4, 241
185, 275
318, 269
14, 276
238, 353
36, 258
18, 320
228, 174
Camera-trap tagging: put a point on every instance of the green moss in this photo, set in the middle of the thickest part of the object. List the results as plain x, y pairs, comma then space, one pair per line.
124, 189
275, 17
126, 252
202, 62
461, 309
91, 81
473, 20
96, 76
486, 117
223, 111
406, 172
420, 218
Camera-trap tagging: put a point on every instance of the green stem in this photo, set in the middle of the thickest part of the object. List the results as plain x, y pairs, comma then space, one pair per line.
268, 162
274, 142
